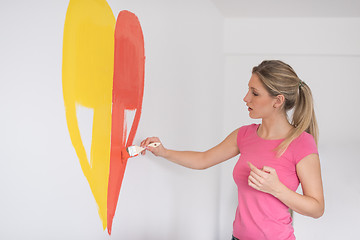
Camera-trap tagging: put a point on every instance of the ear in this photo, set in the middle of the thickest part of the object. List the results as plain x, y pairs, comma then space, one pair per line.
279, 101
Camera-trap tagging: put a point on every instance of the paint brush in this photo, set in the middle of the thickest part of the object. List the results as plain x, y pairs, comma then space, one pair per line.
133, 151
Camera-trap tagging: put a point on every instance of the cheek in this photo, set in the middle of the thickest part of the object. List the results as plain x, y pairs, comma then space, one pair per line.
264, 104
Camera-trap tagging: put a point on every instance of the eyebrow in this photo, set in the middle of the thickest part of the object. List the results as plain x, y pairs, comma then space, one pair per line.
254, 88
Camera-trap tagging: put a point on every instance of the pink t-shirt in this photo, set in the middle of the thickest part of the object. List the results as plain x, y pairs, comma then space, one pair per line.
260, 215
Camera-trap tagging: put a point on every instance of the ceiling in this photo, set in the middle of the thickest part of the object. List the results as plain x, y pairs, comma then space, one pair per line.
288, 8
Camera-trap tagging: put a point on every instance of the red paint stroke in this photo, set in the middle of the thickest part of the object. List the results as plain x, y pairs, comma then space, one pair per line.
128, 89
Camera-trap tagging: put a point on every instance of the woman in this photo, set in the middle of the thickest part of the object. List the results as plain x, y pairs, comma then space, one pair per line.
275, 156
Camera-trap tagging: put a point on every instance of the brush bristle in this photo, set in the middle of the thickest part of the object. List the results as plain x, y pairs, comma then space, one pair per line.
131, 150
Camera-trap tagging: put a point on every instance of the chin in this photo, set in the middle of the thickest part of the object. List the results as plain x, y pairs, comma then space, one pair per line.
254, 117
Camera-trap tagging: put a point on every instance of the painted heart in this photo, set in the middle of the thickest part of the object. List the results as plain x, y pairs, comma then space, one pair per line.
103, 69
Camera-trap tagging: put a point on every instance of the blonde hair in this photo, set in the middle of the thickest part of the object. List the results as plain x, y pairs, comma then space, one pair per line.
280, 79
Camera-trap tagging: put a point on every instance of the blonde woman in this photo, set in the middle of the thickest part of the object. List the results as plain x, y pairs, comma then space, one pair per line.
275, 156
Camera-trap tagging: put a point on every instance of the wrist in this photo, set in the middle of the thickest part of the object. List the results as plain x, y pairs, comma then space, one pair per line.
280, 190
165, 153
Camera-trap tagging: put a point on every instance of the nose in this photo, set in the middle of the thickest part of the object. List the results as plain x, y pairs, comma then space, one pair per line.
246, 98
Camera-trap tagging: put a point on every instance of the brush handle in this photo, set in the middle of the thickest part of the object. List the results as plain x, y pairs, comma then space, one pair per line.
136, 150
154, 144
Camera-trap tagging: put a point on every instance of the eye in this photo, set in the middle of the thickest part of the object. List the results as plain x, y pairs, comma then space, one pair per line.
255, 94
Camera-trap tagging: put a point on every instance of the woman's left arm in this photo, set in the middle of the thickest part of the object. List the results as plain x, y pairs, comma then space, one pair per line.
310, 203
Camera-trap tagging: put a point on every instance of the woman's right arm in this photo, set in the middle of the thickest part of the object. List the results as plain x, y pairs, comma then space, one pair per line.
197, 160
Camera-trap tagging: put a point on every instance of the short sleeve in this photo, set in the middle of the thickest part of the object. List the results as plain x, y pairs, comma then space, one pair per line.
242, 132
305, 146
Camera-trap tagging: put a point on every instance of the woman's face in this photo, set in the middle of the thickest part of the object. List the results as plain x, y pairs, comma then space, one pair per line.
260, 103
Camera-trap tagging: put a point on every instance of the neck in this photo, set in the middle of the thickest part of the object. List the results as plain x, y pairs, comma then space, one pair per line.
276, 127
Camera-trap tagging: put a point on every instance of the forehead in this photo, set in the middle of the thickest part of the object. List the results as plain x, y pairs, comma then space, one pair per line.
256, 83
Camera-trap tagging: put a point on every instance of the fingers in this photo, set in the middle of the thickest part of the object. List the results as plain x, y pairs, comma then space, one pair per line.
255, 178
148, 141
265, 179
256, 170
252, 184
254, 181
142, 144
268, 169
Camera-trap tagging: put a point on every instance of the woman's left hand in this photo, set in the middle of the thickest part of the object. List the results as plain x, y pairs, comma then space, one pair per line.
265, 179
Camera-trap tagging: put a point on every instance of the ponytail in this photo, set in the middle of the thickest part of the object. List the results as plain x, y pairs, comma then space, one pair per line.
303, 118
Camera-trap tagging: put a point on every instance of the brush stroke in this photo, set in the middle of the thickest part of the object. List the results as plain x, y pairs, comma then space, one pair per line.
87, 77
128, 88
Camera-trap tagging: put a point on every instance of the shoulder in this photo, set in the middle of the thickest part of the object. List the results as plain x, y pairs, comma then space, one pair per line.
245, 132
305, 139
246, 129
303, 146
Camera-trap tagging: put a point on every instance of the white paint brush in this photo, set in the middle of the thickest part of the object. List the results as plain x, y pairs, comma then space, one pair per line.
136, 150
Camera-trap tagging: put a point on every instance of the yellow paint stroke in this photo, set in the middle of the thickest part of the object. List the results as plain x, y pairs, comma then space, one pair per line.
88, 62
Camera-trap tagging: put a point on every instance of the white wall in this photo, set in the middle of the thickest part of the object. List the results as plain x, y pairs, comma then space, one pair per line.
44, 194
193, 98
326, 54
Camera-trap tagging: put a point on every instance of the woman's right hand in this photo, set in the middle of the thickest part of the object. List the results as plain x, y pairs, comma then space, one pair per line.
195, 159
157, 151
